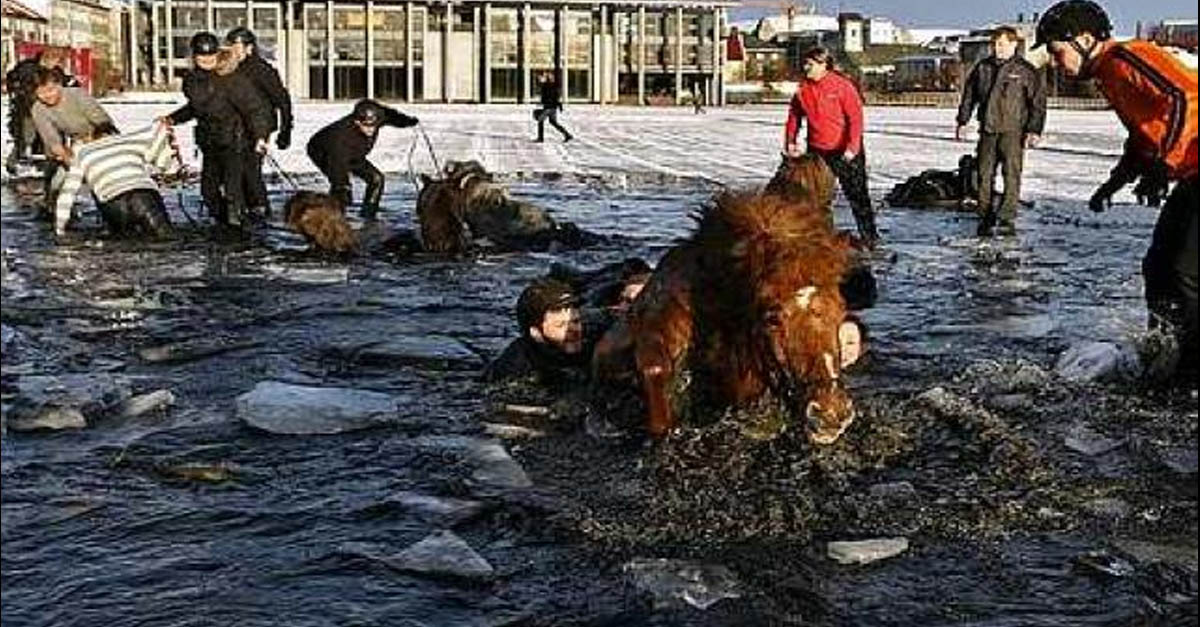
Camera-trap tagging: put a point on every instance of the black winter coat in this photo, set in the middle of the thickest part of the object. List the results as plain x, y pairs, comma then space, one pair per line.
230, 112
266, 80
341, 147
551, 95
1011, 96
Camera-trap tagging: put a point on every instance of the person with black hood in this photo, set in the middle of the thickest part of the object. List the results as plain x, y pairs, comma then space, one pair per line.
233, 121
341, 148
1011, 97
244, 45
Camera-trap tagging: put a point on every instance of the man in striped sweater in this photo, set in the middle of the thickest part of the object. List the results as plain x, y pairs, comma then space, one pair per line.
117, 168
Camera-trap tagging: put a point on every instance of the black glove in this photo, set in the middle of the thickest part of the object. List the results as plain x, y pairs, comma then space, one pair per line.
1101, 200
1152, 187
284, 138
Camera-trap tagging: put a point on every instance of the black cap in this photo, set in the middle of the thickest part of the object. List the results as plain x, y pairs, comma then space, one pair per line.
205, 43
541, 296
1071, 18
241, 35
368, 112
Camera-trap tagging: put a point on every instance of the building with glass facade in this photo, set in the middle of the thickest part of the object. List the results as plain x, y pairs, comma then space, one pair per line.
469, 51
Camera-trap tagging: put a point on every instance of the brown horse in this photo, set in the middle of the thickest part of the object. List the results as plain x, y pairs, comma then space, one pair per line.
321, 219
465, 206
750, 305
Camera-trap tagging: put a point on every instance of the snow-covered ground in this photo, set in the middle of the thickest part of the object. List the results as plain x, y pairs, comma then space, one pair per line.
734, 145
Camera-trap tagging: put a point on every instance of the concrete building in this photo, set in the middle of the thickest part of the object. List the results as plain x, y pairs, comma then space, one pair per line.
453, 51
881, 31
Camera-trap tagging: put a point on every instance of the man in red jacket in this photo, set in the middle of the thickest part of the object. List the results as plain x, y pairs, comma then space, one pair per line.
833, 107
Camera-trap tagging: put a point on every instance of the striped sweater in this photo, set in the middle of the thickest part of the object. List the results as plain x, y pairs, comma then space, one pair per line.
112, 166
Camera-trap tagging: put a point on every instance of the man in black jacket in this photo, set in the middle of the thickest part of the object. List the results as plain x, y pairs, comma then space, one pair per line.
233, 122
551, 348
340, 149
551, 97
244, 46
1011, 96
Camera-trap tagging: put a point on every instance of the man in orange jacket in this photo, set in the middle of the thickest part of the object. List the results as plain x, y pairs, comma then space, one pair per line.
1154, 95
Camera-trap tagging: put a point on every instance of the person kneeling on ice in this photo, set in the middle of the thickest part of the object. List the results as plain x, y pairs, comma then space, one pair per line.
340, 149
551, 347
118, 168
1154, 95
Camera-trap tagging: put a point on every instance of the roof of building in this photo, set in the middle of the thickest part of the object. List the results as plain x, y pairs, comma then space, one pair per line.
885, 54
16, 10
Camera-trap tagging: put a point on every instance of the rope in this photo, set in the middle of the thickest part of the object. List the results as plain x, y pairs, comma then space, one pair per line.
182, 178
429, 145
412, 175
279, 169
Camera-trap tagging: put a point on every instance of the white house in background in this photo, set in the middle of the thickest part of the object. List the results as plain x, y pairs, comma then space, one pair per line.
930, 36
881, 31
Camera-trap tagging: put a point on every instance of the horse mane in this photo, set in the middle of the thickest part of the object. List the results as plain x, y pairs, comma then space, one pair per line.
768, 241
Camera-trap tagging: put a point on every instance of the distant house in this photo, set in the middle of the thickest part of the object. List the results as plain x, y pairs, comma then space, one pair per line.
1177, 33
927, 72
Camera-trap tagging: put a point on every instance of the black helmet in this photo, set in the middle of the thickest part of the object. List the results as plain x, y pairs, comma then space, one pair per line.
205, 43
368, 112
1070, 18
241, 35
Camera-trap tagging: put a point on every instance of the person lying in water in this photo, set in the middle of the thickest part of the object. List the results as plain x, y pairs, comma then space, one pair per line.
550, 349
563, 315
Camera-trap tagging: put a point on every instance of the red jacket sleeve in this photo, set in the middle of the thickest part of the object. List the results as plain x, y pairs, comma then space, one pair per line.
794, 120
853, 106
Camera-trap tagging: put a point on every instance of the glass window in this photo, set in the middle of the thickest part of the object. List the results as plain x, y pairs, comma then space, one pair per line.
464, 21
579, 39
350, 35
389, 35
226, 19
188, 20
502, 37
266, 28
541, 39
314, 22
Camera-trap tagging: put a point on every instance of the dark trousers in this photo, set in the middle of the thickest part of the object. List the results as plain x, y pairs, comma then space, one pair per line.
22, 131
852, 176
550, 114
137, 212
1006, 150
253, 187
370, 175
221, 184
1169, 269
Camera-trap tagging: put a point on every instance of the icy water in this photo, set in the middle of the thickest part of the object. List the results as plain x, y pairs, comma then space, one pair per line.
1006, 525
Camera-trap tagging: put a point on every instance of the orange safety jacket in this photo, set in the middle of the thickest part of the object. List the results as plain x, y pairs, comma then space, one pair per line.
1154, 94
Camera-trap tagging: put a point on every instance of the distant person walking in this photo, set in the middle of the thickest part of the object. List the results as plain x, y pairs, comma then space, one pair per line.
834, 110
697, 99
551, 105
1011, 98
